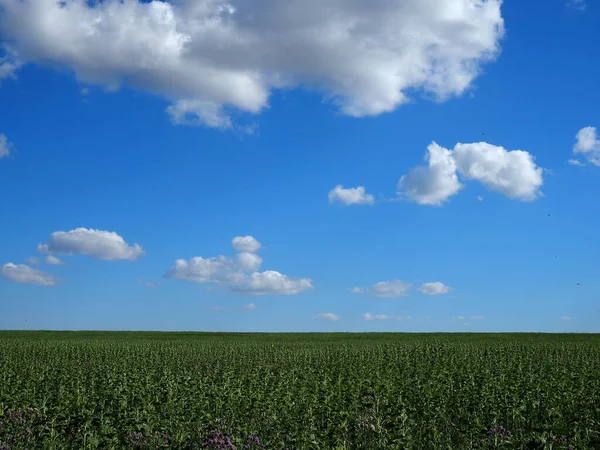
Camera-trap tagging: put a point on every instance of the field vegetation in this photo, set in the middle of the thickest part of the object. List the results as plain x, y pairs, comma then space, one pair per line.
101, 390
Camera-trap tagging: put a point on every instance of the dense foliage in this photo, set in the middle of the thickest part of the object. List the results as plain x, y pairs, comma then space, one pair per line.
84, 390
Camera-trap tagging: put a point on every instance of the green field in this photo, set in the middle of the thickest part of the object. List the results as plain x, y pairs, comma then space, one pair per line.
83, 390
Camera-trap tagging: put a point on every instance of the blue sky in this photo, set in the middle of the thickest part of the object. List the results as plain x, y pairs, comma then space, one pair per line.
161, 131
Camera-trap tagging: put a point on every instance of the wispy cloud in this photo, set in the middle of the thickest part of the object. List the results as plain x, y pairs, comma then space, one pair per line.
326, 316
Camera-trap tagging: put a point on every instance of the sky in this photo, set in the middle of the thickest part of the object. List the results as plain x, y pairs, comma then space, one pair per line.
314, 165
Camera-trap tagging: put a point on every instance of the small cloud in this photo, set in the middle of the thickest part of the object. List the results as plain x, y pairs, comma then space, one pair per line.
350, 196
480, 198
245, 244
53, 260
148, 284
20, 273
588, 144
355, 290
434, 288
389, 289
369, 316
32, 260
476, 317
460, 317
249, 307
85, 91
575, 162
565, 318
5, 146
99, 244
326, 316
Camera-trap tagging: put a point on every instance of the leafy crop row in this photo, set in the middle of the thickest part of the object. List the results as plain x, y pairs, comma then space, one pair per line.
275, 392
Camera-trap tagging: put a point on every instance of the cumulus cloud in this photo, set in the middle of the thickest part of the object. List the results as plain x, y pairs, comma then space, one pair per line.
369, 316
356, 290
245, 244
588, 145
389, 289
214, 57
20, 273
5, 146
326, 316
100, 244
249, 307
350, 196
239, 274
512, 173
32, 260
434, 288
432, 184
53, 260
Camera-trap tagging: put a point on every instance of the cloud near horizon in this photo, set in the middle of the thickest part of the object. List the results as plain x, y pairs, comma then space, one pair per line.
239, 274
21, 273
214, 58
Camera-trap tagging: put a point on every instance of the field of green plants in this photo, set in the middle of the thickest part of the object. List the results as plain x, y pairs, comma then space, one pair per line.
86, 390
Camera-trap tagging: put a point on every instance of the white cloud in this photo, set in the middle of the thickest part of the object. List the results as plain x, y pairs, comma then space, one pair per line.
480, 198
53, 260
350, 196
214, 56
469, 317
565, 318
239, 274
245, 244
588, 144
32, 260
434, 288
105, 245
575, 162
5, 146
389, 289
20, 273
369, 316
356, 290
432, 184
249, 307
512, 173
326, 316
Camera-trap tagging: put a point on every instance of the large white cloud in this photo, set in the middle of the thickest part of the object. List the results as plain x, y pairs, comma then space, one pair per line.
588, 144
105, 245
5, 146
350, 196
210, 56
20, 273
239, 274
434, 288
512, 173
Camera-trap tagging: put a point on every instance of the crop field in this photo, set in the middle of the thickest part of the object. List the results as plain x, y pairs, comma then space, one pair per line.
85, 390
